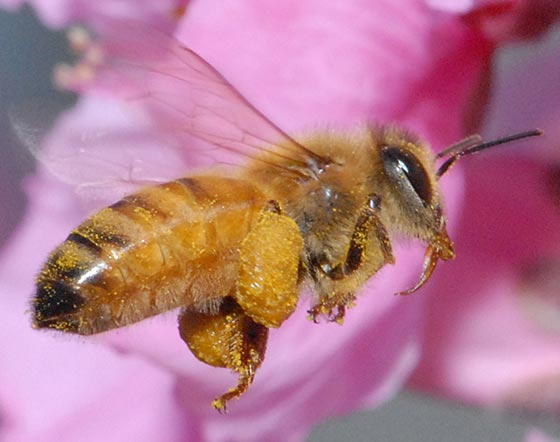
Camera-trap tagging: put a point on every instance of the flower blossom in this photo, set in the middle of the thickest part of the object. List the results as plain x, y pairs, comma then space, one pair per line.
304, 65
492, 334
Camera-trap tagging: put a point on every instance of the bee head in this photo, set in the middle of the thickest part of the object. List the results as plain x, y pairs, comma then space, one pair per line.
410, 180
410, 200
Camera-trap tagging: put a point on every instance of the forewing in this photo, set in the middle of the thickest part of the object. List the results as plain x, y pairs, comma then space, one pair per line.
185, 93
152, 111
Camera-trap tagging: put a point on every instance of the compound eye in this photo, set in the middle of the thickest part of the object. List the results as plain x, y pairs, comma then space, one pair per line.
402, 165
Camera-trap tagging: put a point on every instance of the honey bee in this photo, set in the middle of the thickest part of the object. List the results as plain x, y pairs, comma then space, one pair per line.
233, 250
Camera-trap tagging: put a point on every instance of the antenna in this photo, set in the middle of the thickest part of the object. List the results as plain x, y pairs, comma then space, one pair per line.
467, 148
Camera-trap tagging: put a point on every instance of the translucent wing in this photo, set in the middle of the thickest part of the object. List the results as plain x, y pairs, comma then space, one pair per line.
106, 150
164, 110
185, 92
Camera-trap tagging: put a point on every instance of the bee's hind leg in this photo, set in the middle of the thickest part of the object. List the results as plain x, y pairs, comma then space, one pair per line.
265, 295
229, 339
269, 274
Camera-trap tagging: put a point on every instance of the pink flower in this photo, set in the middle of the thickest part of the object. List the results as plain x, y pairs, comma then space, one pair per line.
492, 330
535, 435
303, 64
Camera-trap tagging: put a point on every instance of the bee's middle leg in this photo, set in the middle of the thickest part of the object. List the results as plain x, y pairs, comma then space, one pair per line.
369, 247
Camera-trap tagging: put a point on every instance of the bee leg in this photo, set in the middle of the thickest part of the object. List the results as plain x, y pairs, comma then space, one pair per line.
369, 249
333, 308
269, 274
229, 339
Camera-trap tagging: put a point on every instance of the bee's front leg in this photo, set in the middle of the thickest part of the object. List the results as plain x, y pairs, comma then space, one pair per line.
368, 250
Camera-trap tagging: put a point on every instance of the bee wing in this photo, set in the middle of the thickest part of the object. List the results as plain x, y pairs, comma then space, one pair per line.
186, 95
165, 110
73, 154
110, 157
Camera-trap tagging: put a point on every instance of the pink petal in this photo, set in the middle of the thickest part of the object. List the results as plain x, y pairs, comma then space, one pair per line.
536, 435
483, 344
361, 73
454, 6
493, 337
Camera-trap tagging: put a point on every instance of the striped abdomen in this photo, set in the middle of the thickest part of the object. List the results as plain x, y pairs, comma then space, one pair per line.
163, 247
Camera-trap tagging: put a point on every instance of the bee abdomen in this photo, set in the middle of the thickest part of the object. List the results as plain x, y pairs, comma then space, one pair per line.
61, 294
55, 300
160, 248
